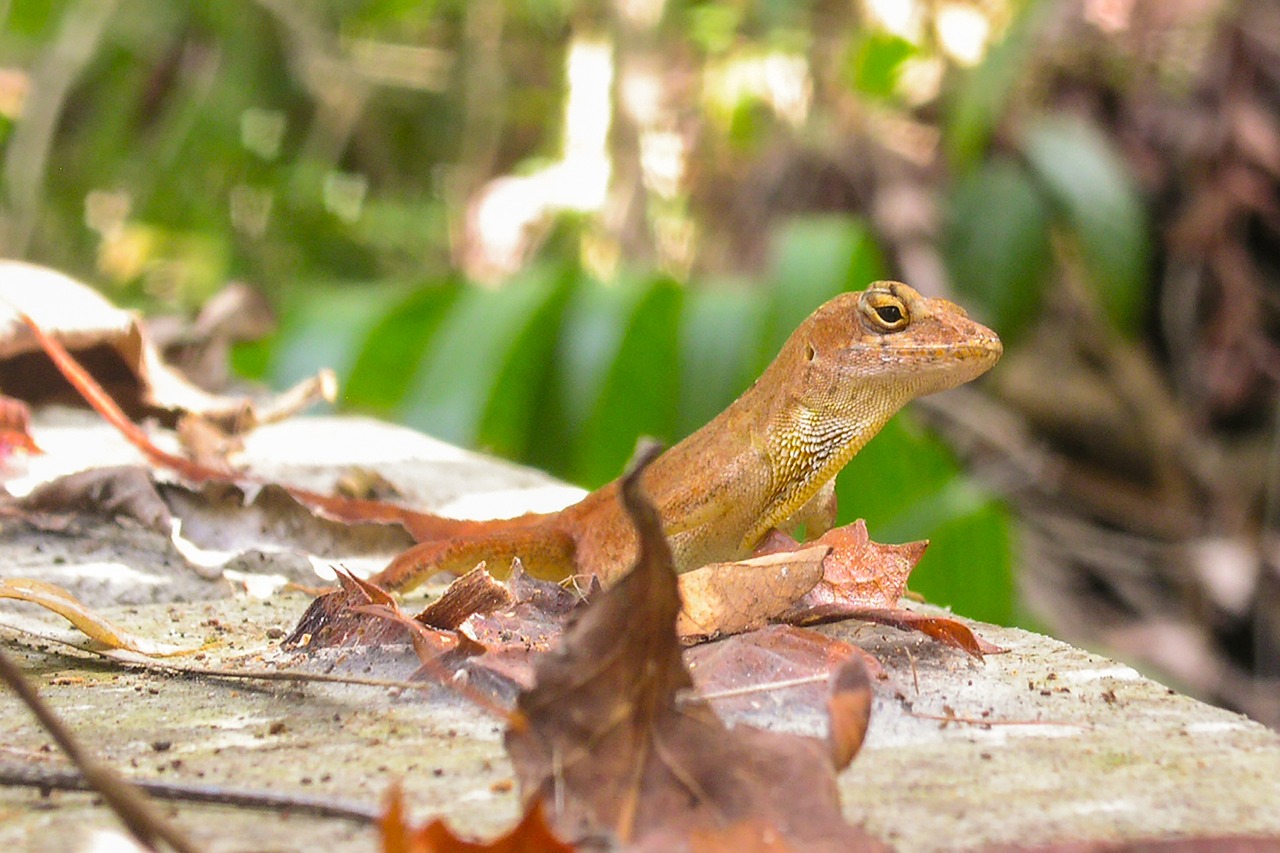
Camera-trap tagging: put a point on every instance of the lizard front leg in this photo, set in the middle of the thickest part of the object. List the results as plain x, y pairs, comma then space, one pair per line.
815, 517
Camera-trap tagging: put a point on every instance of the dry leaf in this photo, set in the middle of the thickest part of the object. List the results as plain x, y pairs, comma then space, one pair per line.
951, 632
116, 348
15, 428
475, 592
611, 736
361, 613
781, 670
865, 580
122, 491
746, 836
728, 598
95, 626
861, 573
530, 835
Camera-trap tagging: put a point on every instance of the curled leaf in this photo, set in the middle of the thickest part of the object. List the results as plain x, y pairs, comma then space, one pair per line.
94, 625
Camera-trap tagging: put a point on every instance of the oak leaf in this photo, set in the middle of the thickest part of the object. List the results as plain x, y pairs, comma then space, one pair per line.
865, 580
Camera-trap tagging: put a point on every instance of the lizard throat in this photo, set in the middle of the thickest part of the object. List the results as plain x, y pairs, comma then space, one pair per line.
808, 456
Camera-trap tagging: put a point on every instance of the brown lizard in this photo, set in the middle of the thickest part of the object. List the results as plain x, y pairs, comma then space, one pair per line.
768, 461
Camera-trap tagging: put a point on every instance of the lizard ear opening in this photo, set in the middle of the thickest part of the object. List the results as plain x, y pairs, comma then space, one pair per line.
809, 351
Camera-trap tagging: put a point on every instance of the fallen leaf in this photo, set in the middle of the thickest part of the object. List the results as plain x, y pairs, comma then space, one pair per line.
780, 671
861, 573
865, 580
729, 598
951, 632
530, 835
116, 348
206, 442
94, 625
751, 835
612, 737
122, 491
361, 613
15, 428
475, 592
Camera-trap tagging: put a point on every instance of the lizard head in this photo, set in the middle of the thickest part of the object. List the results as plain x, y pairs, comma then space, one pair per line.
856, 361
891, 333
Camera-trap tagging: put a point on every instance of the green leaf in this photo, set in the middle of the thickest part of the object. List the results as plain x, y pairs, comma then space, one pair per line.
1089, 184
323, 326
908, 486
514, 410
875, 62
997, 244
638, 394
815, 258
978, 103
471, 353
969, 564
717, 347
395, 345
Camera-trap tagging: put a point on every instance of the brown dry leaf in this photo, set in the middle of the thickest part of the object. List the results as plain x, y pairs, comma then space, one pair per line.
206, 442
514, 636
122, 491
116, 348
612, 737
15, 428
729, 598
361, 613
95, 626
530, 835
951, 632
860, 572
746, 836
864, 580
475, 592
781, 670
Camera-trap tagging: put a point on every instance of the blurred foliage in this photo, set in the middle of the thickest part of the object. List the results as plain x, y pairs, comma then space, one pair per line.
339, 155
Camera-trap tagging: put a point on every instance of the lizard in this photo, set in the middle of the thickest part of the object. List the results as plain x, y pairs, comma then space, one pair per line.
767, 461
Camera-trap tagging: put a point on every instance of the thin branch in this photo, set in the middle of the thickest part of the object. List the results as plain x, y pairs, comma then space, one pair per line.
137, 813
60, 779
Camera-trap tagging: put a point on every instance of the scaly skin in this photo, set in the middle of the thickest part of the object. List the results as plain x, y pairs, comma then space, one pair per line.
769, 460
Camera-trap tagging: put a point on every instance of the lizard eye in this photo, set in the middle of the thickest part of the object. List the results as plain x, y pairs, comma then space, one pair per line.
891, 314
885, 311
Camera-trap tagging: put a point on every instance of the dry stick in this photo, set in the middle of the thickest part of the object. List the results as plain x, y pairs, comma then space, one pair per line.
59, 779
134, 810
986, 724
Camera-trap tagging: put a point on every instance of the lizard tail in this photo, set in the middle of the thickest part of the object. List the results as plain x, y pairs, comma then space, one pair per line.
545, 550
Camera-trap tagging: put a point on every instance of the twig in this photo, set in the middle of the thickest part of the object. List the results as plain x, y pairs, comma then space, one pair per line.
142, 820
60, 779
764, 688
977, 721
